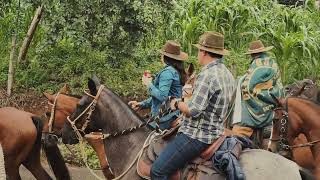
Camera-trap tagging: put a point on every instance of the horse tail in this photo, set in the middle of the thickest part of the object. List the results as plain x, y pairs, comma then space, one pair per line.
305, 174
54, 157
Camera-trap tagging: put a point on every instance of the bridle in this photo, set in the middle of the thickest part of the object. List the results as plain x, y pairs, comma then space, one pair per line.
88, 111
284, 144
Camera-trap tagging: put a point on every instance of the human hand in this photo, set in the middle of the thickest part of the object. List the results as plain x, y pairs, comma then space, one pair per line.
174, 103
146, 80
135, 105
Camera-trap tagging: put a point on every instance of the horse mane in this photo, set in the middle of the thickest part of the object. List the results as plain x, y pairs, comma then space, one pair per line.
122, 103
72, 95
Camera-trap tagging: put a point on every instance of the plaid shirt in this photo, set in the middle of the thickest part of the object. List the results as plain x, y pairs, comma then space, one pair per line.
208, 107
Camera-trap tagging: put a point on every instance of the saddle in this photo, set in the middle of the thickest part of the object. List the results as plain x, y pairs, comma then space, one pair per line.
201, 168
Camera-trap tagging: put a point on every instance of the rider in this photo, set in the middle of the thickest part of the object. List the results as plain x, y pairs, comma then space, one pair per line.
204, 113
253, 103
168, 82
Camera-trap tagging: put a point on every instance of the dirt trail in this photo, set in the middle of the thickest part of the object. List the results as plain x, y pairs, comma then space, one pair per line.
75, 172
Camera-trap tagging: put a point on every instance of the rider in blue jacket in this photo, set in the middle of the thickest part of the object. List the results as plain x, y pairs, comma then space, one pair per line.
168, 82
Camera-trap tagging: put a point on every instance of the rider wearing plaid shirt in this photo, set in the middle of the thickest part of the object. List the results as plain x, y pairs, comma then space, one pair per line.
204, 114
213, 90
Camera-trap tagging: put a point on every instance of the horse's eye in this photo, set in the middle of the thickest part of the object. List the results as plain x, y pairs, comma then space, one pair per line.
48, 114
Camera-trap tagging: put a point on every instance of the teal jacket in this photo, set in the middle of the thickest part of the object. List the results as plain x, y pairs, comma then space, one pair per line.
261, 80
166, 83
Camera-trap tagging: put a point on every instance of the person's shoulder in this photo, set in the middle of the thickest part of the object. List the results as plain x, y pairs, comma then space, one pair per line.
168, 71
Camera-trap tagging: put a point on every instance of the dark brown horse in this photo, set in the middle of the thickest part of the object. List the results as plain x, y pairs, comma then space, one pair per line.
295, 116
100, 108
64, 106
20, 137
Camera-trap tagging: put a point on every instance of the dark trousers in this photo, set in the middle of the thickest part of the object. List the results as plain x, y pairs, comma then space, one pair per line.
181, 150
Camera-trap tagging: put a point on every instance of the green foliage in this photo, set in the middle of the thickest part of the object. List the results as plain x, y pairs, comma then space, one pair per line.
78, 38
72, 155
294, 32
119, 39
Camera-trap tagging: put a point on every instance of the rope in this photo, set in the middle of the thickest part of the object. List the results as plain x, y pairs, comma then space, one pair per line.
84, 156
312, 143
145, 145
2, 166
52, 114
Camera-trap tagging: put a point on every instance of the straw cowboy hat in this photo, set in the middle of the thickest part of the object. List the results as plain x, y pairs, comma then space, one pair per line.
212, 42
257, 47
172, 50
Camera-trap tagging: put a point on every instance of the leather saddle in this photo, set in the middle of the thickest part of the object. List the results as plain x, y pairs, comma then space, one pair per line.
201, 168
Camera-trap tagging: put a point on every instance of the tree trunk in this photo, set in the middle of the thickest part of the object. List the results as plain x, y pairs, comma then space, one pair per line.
28, 38
2, 168
11, 64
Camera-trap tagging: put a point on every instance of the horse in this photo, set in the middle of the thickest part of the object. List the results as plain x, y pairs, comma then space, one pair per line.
20, 138
2, 168
60, 106
100, 108
294, 116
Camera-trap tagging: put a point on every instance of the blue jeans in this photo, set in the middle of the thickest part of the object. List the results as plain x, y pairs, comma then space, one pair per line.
181, 150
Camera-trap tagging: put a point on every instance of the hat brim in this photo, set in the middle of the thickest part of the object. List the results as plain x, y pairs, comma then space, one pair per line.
181, 57
222, 52
259, 50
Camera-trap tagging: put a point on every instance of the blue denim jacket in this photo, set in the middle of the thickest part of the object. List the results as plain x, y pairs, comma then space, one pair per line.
167, 83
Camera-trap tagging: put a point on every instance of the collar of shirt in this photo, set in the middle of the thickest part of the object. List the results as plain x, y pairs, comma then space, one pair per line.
213, 63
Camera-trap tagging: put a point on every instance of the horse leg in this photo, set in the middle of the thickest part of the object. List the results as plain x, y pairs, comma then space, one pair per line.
98, 146
33, 164
12, 169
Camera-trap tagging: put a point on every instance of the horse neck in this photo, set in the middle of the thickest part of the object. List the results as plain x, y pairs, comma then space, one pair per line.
122, 150
303, 118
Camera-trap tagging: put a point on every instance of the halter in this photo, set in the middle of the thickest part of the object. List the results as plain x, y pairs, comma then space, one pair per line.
89, 110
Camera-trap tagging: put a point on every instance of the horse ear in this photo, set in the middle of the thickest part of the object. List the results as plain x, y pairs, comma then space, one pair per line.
190, 69
65, 89
96, 80
48, 96
92, 87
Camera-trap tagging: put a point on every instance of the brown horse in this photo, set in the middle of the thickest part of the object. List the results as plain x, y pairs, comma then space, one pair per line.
65, 105
20, 137
295, 116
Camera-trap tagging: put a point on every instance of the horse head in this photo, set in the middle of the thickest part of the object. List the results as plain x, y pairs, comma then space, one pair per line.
81, 114
60, 105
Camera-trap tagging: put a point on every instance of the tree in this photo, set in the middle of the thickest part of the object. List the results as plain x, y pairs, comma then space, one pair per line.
26, 43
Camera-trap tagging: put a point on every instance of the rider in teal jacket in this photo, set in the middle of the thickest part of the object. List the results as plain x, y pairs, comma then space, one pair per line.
168, 82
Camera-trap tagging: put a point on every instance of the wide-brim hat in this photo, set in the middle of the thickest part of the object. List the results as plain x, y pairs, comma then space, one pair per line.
172, 49
212, 42
257, 47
